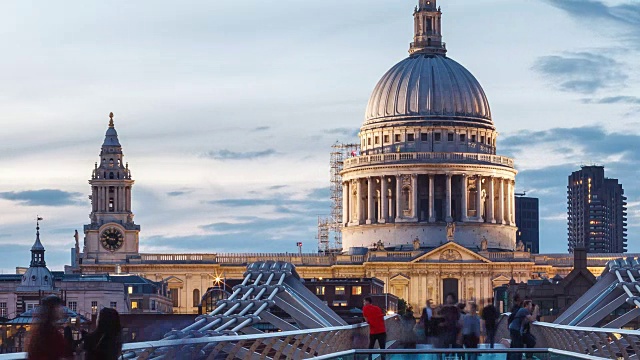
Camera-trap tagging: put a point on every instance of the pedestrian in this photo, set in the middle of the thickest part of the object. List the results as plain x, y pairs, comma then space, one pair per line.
451, 322
490, 316
517, 303
528, 339
375, 318
471, 328
46, 341
105, 343
516, 327
68, 337
429, 322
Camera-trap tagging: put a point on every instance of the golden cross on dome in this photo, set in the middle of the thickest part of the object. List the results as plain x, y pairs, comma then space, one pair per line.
110, 119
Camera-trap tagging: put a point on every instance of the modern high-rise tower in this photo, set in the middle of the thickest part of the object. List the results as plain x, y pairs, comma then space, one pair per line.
597, 212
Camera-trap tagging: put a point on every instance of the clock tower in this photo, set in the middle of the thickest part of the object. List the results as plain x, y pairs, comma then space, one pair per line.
112, 236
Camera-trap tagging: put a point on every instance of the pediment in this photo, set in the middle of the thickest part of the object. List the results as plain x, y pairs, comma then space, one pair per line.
173, 280
399, 278
501, 278
451, 252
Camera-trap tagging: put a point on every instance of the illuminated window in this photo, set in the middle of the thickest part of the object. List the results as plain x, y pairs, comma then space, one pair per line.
73, 306
340, 290
340, 303
3, 309
134, 304
94, 307
356, 290
319, 290
130, 290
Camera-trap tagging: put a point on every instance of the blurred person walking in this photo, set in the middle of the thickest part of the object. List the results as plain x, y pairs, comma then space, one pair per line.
490, 316
105, 343
46, 341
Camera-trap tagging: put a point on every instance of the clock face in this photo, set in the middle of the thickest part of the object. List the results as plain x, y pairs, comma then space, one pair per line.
112, 239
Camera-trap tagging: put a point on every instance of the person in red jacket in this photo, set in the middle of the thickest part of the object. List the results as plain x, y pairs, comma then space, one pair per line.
375, 318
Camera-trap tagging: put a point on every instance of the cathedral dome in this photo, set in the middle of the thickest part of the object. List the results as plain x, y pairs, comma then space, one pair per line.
428, 87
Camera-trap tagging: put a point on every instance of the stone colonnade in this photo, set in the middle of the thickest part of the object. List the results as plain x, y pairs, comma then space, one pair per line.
428, 198
111, 198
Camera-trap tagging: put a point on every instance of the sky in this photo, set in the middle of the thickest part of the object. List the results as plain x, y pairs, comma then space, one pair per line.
227, 110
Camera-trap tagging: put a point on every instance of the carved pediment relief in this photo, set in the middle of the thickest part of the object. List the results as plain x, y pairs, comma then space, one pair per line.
451, 252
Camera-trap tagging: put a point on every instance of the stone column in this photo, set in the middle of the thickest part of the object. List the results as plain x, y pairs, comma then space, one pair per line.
384, 202
447, 213
464, 190
359, 202
414, 197
490, 209
501, 203
345, 203
432, 215
128, 196
512, 203
371, 200
398, 195
479, 198
105, 192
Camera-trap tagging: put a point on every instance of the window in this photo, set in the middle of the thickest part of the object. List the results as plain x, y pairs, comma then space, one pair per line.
340, 303
410, 137
473, 138
153, 305
397, 137
449, 137
130, 290
356, 290
319, 290
482, 139
369, 141
424, 137
31, 306
376, 140
134, 304
94, 307
3, 309
173, 294
113, 304
386, 138
436, 136
73, 306
196, 297
462, 137
340, 290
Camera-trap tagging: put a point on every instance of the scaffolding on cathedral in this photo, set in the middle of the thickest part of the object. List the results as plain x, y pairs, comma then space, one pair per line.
330, 229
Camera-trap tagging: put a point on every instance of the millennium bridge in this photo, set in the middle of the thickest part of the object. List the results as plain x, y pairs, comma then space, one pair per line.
313, 331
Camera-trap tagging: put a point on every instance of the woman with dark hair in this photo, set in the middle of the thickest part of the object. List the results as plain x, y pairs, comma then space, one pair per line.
105, 343
46, 342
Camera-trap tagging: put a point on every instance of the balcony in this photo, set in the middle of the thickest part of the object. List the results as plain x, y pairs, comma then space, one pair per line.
428, 157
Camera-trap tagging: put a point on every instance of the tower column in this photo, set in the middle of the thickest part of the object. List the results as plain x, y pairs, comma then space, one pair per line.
398, 194
345, 203
490, 208
447, 213
479, 198
370, 200
414, 196
501, 203
116, 198
384, 202
464, 190
432, 215
105, 199
512, 203
359, 203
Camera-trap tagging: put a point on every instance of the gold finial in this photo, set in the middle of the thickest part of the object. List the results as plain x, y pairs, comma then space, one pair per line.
111, 119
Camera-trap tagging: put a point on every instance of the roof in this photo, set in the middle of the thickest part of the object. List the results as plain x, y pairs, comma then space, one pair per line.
427, 87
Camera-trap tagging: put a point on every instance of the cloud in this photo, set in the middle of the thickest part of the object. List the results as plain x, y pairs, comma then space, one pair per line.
232, 155
567, 148
178, 193
262, 128
614, 100
43, 197
581, 72
344, 131
316, 202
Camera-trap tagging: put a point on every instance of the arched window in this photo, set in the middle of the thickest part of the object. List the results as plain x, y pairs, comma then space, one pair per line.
111, 175
196, 297
406, 196
110, 162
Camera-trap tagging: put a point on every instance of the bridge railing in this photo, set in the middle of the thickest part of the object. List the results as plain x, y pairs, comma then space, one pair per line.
599, 342
299, 344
